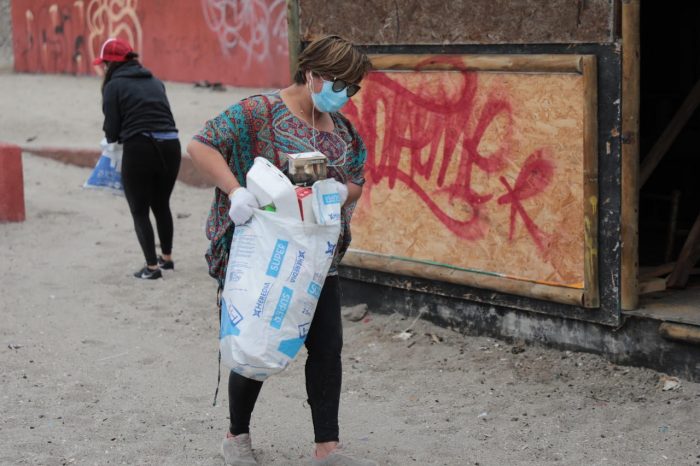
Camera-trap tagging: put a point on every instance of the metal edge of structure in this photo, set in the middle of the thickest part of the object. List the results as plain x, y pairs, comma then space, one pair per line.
479, 296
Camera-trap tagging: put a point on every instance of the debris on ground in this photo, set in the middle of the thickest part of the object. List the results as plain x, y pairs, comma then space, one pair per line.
355, 313
405, 335
669, 383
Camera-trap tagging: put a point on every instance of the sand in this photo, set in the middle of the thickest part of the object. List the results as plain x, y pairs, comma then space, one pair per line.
97, 367
64, 111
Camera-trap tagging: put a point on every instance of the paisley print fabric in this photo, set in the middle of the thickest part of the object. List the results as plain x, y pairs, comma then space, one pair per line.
263, 126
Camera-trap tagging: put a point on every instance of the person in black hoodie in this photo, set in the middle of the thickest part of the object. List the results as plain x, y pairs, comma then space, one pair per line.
137, 114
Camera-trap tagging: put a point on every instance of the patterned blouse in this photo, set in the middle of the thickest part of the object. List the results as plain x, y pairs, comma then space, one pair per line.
263, 126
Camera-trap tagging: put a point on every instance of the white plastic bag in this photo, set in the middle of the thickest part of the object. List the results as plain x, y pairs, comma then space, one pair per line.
276, 269
107, 172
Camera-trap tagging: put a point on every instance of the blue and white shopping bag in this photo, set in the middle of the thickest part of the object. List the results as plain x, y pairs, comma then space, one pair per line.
107, 172
277, 267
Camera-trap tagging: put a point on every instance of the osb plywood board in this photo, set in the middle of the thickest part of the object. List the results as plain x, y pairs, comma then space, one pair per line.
460, 21
477, 170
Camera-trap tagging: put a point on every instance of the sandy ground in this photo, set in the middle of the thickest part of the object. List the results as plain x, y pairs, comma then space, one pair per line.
97, 367
66, 111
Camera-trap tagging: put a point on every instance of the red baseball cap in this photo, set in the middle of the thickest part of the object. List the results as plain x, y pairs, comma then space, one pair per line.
113, 50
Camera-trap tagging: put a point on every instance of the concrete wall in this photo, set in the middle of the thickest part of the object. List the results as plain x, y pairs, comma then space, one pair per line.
236, 42
5, 35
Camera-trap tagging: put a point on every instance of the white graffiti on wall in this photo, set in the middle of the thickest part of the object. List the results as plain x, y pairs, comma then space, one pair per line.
53, 40
257, 27
66, 37
113, 18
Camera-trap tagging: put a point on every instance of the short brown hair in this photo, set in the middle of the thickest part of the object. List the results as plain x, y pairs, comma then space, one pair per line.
332, 56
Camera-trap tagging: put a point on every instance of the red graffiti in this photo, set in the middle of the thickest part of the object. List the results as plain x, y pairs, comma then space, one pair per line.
442, 128
534, 177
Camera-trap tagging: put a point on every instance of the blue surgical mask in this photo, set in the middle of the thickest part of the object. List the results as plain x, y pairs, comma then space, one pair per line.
328, 100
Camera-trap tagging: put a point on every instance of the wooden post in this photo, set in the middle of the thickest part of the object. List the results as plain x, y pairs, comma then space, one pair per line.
679, 332
629, 276
293, 35
591, 298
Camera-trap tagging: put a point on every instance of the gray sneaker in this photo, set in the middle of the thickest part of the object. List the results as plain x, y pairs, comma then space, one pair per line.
238, 451
338, 457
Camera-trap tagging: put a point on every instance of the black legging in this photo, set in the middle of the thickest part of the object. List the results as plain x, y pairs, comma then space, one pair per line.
323, 372
149, 171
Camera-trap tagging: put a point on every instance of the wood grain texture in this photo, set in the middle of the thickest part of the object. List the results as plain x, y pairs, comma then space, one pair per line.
443, 22
481, 172
629, 273
500, 62
590, 182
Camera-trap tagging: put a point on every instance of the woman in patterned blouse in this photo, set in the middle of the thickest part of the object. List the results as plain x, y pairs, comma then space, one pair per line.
300, 118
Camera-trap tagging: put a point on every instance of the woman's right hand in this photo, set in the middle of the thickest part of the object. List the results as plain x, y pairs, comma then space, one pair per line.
242, 204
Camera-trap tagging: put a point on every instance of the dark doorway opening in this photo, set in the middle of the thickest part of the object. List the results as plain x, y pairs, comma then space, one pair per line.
670, 194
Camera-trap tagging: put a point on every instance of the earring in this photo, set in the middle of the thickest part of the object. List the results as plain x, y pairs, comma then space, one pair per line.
310, 84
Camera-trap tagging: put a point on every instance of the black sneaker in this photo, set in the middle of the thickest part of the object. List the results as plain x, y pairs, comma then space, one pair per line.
165, 265
148, 274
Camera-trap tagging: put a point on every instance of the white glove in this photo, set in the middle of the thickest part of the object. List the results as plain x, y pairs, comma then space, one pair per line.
342, 192
242, 204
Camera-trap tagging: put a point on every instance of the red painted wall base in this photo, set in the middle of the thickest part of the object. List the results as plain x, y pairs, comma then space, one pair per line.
11, 184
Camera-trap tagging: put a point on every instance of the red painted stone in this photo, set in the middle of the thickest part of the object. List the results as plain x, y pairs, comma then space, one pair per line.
11, 184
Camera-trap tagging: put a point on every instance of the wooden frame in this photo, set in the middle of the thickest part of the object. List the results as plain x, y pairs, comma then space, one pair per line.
591, 297
629, 275
584, 65
293, 35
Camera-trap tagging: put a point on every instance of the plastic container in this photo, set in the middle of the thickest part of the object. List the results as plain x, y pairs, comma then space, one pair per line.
326, 201
270, 186
307, 167
305, 198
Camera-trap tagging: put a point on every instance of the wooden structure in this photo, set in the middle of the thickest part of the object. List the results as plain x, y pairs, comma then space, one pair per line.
502, 153
513, 217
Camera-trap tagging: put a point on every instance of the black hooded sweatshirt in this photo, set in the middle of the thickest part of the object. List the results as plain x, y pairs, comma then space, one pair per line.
134, 102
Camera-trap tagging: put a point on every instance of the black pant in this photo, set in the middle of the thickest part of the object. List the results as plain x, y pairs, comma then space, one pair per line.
149, 171
323, 372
